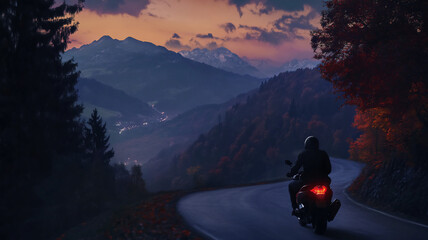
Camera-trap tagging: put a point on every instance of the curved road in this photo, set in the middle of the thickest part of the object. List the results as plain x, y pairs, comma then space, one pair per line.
263, 212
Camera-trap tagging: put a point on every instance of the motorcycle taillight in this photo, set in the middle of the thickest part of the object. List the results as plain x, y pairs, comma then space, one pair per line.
319, 190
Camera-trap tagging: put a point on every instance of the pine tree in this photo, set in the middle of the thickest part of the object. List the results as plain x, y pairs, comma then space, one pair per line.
39, 116
38, 110
98, 187
97, 141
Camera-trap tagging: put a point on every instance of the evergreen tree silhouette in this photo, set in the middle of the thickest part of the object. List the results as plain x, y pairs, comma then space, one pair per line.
99, 175
97, 141
39, 116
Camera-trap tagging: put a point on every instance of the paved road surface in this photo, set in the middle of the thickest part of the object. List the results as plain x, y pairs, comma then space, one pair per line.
263, 212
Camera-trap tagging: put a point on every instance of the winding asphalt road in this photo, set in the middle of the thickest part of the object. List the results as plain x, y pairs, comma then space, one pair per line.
263, 212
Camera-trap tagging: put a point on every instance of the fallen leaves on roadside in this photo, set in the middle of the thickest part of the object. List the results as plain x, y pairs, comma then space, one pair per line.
155, 218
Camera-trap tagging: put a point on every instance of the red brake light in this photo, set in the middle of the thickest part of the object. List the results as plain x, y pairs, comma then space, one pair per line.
319, 190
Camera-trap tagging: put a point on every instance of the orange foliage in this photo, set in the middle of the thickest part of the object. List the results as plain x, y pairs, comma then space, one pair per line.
381, 135
364, 56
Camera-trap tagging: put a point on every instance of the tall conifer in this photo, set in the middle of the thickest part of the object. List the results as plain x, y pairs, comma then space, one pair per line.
97, 139
38, 110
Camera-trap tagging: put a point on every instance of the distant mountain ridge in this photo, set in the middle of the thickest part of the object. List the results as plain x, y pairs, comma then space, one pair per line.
295, 64
269, 68
224, 59
156, 75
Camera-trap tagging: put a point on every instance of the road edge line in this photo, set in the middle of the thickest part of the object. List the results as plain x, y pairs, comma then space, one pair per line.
383, 213
204, 232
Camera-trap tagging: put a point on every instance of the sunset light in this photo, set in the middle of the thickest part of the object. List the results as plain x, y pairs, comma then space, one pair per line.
280, 34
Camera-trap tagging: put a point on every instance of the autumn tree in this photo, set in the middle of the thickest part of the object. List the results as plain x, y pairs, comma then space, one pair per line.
375, 53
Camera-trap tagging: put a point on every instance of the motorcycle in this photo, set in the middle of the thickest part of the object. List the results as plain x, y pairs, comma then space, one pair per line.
314, 204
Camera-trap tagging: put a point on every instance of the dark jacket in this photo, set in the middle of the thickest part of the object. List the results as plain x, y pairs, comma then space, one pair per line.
316, 165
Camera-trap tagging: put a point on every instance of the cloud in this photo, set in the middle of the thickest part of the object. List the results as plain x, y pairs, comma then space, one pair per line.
288, 27
209, 35
271, 36
291, 23
131, 7
269, 5
228, 27
153, 15
175, 35
176, 45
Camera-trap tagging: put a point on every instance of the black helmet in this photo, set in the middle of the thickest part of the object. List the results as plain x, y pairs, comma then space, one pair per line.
311, 142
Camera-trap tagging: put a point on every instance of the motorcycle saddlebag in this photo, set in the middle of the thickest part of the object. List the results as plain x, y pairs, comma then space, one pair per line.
333, 209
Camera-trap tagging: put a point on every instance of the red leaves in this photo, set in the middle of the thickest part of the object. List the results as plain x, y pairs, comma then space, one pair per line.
382, 136
155, 218
374, 53
370, 52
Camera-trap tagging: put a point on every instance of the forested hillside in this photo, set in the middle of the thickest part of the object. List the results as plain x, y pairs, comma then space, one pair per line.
252, 140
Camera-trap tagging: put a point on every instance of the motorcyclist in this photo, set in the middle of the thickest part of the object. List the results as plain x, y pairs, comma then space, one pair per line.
316, 167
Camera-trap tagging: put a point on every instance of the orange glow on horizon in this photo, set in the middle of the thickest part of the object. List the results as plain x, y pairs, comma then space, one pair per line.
188, 18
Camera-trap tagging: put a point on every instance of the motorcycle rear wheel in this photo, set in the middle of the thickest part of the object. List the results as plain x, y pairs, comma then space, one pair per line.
320, 225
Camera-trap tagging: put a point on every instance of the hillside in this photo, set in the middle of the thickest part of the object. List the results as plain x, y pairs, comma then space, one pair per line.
252, 140
92, 92
156, 75
168, 138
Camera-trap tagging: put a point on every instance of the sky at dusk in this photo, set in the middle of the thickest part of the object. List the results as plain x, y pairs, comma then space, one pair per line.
275, 30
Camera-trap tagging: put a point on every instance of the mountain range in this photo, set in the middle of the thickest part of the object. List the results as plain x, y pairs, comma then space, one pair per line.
224, 59
295, 64
270, 68
155, 75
